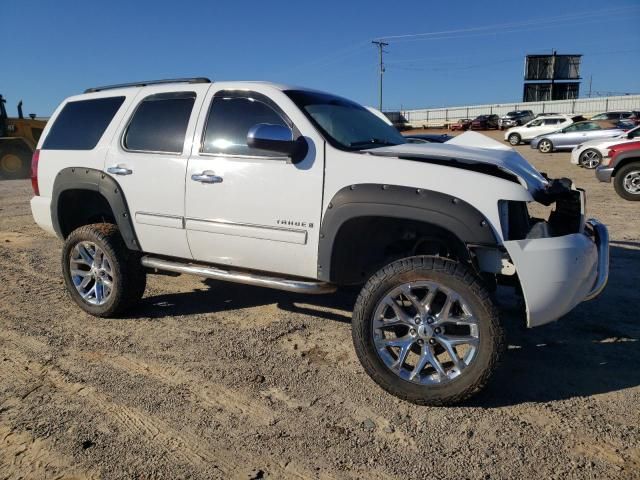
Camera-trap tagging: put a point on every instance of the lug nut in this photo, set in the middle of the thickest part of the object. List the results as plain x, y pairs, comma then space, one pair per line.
437, 330
417, 320
412, 331
432, 341
430, 320
420, 342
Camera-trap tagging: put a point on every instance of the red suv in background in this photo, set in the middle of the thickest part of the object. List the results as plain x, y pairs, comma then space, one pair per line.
485, 122
622, 163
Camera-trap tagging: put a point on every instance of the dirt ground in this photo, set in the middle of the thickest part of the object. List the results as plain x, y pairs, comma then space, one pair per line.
212, 380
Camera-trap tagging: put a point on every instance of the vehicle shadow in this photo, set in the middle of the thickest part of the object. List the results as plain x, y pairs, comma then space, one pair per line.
219, 296
594, 349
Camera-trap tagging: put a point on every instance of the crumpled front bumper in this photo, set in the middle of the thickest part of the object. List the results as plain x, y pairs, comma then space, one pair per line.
558, 273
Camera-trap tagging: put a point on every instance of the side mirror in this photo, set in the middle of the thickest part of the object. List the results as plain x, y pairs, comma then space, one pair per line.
277, 138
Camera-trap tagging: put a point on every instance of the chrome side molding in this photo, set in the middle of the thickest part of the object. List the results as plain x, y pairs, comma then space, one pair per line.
601, 237
298, 286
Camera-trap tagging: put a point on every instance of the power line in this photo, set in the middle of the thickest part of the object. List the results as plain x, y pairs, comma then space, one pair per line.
560, 18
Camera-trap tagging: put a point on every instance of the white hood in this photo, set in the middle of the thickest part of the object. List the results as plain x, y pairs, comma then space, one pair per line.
471, 148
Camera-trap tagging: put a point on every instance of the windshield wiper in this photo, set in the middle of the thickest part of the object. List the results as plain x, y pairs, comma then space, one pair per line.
372, 141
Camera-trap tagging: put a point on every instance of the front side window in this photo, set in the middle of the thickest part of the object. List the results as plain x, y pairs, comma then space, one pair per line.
229, 121
536, 123
80, 125
159, 124
345, 124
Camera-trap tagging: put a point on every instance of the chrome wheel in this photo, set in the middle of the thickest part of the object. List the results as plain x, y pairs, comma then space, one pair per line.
425, 333
631, 182
544, 146
590, 159
91, 273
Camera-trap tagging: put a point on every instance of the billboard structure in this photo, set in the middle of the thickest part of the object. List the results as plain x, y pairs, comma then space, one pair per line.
551, 77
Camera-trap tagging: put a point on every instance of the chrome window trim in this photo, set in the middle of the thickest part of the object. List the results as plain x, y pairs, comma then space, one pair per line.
133, 114
248, 157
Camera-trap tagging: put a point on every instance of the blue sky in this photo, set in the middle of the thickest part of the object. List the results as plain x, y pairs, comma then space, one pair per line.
52, 49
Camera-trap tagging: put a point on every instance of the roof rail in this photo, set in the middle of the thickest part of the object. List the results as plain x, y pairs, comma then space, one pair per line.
149, 82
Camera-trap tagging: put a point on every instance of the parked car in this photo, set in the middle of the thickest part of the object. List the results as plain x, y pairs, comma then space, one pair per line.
515, 119
635, 117
428, 138
485, 122
304, 191
462, 124
617, 116
590, 154
622, 164
575, 134
536, 127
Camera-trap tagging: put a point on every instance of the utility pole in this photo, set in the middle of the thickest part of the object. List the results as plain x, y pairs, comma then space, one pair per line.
380, 45
590, 82
553, 72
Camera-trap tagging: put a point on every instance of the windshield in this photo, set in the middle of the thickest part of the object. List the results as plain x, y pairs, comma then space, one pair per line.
345, 124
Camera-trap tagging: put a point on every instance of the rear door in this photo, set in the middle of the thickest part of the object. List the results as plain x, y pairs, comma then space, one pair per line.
149, 161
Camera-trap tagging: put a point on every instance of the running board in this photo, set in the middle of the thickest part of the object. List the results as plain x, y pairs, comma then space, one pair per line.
298, 286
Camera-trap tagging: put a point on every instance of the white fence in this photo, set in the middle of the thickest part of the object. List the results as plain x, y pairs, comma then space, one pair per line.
581, 106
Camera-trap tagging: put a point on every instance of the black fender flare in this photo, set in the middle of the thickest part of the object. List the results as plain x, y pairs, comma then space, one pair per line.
79, 178
376, 200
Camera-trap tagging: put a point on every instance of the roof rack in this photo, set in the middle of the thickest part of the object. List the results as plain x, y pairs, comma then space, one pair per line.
149, 82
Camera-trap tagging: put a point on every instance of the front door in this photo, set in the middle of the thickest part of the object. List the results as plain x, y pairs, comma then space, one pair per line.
247, 207
149, 161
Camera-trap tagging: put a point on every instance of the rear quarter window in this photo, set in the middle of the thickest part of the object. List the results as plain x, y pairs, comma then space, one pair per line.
81, 124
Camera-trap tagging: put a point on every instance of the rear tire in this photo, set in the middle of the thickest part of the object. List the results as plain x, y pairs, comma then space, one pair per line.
627, 182
545, 146
15, 161
514, 139
422, 336
101, 274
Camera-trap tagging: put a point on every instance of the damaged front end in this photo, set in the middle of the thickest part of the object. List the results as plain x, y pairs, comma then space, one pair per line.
560, 261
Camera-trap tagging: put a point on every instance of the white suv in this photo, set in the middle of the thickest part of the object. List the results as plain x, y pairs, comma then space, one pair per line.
304, 191
537, 126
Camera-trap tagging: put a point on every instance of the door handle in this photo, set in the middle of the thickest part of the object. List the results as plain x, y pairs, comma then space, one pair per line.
206, 177
119, 170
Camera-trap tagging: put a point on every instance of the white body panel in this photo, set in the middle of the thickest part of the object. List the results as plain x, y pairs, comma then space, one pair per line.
265, 214
555, 273
527, 132
346, 168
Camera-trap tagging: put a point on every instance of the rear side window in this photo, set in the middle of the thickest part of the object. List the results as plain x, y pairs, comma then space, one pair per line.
80, 125
159, 124
229, 122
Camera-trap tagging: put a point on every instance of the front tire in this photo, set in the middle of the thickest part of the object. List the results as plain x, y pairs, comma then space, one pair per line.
590, 158
627, 182
545, 146
514, 139
101, 274
425, 330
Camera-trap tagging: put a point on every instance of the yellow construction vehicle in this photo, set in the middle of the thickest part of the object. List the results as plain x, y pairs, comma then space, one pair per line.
18, 139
